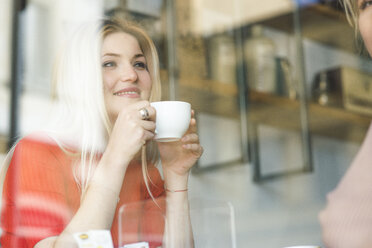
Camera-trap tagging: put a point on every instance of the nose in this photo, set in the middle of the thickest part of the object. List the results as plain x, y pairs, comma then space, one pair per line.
128, 74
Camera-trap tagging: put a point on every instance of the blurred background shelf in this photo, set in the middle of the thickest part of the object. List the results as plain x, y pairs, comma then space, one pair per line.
323, 120
320, 23
216, 98
207, 96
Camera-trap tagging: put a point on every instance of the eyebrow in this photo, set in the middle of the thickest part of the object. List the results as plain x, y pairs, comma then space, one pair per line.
111, 54
138, 55
118, 55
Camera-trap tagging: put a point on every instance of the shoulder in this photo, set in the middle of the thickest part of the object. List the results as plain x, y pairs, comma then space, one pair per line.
39, 147
36, 143
38, 157
39, 138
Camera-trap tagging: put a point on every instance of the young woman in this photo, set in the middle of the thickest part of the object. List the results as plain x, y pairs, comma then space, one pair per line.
100, 153
347, 219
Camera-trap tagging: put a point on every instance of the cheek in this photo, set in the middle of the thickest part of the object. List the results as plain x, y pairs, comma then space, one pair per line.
149, 87
108, 81
107, 89
146, 82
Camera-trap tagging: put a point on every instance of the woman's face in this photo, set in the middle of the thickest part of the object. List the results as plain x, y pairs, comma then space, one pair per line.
125, 75
365, 22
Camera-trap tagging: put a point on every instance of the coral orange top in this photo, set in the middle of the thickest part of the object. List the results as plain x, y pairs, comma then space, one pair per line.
40, 197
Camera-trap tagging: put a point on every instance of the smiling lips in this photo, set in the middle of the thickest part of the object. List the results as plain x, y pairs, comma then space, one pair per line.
128, 92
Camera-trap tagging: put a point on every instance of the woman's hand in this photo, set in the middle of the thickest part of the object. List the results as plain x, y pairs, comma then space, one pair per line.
131, 132
178, 157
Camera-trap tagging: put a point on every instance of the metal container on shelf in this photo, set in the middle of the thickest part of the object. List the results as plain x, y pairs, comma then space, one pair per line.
285, 83
260, 54
357, 90
344, 87
327, 88
222, 59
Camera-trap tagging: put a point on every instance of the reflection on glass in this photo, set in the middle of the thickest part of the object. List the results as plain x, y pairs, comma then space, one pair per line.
212, 65
97, 152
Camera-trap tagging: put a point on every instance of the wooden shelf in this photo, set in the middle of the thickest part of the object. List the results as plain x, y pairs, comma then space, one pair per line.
213, 97
206, 96
320, 23
325, 121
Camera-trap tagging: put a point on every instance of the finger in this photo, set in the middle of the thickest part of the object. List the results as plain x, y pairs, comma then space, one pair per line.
147, 113
144, 114
148, 135
140, 104
192, 127
148, 125
152, 112
197, 148
149, 110
191, 138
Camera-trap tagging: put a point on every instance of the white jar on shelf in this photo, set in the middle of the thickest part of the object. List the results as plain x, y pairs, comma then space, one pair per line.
259, 53
223, 59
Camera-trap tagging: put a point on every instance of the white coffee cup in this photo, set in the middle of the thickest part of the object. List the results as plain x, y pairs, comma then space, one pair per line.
172, 120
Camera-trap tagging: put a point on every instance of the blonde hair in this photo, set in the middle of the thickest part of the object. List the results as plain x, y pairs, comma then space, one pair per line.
352, 13
77, 82
352, 16
148, 48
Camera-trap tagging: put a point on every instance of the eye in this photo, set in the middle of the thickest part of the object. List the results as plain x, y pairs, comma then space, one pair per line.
365, 4
109, 64
140, 64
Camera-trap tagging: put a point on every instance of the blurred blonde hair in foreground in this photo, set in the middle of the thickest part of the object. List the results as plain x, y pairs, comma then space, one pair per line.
351, 9
80, 121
